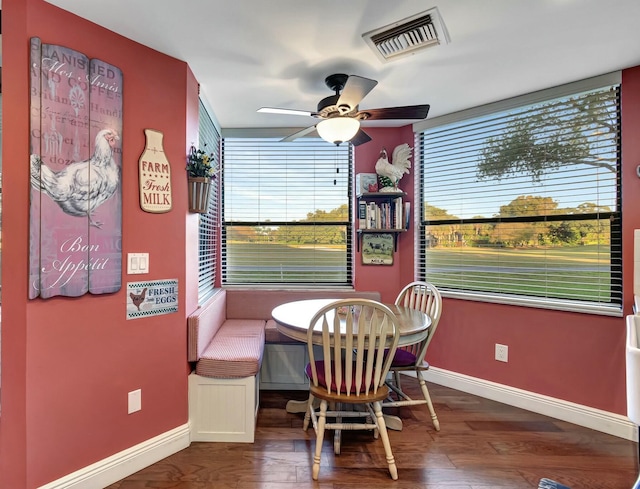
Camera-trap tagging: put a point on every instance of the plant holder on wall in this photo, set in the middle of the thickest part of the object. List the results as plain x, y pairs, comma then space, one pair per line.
199, 190
201, 170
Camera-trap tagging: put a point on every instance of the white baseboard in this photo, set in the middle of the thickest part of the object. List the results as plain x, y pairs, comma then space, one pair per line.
125, 463
595, 419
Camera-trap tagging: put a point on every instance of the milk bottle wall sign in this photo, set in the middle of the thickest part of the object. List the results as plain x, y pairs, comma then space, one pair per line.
75, 163
155, 174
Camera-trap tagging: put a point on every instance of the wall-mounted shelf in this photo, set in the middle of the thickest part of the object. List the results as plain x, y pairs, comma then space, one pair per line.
382, 212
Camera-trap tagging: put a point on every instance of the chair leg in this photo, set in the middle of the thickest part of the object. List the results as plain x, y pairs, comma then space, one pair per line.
319, 439
337, 432
396, 376
427, 397
337, 440
307, 414
382, 429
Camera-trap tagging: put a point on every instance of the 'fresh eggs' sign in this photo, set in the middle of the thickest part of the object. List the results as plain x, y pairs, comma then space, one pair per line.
151, 298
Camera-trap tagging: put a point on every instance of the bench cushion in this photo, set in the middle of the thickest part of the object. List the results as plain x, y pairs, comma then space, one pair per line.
203, 325
235, 352
226, 336
272, 335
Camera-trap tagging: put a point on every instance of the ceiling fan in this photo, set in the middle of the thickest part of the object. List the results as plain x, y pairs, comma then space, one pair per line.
341, 115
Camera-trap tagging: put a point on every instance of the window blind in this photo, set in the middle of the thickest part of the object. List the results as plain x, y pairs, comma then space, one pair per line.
210, 141
286, 212
525, 202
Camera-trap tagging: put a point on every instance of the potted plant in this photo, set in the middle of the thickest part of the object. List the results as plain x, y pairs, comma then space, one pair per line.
200, 173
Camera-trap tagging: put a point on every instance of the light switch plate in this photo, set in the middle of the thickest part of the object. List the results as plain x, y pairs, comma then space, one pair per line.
137, 263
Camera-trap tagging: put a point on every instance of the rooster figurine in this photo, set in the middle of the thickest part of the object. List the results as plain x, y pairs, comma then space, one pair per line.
80, 188
390, 173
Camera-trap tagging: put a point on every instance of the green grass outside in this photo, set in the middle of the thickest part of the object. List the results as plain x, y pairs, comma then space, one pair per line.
539, 277
564, 284
286, 264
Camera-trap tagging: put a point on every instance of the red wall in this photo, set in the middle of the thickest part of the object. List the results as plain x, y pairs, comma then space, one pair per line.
68, 364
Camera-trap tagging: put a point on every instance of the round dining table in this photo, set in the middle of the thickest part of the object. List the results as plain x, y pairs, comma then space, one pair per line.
293, 320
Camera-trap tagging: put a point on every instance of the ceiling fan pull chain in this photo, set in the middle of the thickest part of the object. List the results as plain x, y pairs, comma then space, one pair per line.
335, 180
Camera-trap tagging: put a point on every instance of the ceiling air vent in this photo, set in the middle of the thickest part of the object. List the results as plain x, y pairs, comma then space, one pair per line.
408, 36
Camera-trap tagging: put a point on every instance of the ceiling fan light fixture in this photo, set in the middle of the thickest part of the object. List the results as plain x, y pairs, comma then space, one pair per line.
338, 129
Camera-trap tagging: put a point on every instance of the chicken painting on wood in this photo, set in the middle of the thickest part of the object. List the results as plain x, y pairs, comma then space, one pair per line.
390, 172
80, 188
75, 167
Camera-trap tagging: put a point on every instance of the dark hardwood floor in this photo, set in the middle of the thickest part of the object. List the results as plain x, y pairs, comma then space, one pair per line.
482, 444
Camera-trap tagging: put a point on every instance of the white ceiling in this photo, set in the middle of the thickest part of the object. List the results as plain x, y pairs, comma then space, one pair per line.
252, 53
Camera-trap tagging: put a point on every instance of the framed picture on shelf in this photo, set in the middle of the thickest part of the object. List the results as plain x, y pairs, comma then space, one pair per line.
377, 249
366, 182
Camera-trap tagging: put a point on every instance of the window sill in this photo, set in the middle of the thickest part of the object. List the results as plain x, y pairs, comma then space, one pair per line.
540, 303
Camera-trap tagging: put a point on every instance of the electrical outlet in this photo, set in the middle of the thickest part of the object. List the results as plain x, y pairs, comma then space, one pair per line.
135, 401
502, 353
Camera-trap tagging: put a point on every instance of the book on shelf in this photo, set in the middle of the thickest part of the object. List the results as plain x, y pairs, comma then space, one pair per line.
398, 213
407, 214
362, 215
373, 216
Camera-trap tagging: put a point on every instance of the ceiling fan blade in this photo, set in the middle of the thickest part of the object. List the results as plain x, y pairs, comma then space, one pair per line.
298, 134
356, 88
407, 112
361, 137
276, 110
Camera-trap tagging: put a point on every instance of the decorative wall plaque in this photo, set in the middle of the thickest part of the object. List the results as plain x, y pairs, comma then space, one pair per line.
377, 249
151, 298
155, 175
75, 228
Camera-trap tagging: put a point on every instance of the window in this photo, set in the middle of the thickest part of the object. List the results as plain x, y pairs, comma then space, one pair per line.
286, 212
523, 204
208, 248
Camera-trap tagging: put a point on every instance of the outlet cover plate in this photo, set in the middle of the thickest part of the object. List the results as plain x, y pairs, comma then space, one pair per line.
135, 401
502, 353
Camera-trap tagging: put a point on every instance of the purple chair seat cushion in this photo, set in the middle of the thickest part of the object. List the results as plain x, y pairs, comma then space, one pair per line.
322, 380
403, 358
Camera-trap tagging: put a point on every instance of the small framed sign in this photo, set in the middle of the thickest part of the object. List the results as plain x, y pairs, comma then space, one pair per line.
377, 249
366, 183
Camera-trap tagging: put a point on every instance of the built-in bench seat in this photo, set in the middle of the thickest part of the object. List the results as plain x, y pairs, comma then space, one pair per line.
226, 341
236, 350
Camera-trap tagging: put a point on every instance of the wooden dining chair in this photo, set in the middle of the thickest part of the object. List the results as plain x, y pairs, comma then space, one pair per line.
350, 372
425, 297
